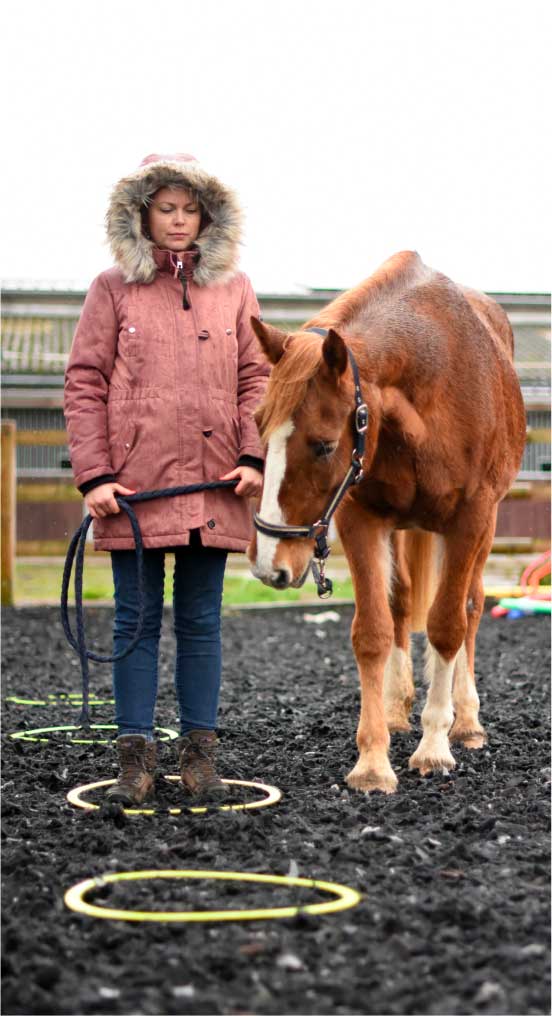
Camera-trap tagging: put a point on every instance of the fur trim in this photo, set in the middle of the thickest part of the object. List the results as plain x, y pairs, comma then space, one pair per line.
218, 242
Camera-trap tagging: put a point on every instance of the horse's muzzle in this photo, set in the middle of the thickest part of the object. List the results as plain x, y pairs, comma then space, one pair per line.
280, 578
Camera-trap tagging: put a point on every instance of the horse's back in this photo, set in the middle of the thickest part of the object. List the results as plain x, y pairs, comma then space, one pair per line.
492, 317
450, 350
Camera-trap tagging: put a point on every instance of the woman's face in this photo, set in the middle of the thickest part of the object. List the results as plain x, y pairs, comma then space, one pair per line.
174, 218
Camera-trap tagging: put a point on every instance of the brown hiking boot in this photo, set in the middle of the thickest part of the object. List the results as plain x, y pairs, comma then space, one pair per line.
137, 757
196, 757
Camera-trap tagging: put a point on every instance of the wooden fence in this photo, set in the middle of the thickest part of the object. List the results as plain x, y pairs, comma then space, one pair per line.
61, 491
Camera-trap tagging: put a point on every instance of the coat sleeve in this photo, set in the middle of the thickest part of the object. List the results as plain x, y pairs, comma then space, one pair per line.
87, 382
253, 371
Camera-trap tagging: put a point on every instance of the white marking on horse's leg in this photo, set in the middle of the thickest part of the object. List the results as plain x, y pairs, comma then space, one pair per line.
398, 689
275, 468
466, 727
433, 751
465, 697
387, 562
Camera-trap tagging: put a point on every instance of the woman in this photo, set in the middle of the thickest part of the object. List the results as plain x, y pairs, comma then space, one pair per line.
162, 381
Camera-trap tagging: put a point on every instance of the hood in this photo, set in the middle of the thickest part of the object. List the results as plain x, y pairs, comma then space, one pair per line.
218, 241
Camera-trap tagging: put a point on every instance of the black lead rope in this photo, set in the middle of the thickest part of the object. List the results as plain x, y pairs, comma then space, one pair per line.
77, 548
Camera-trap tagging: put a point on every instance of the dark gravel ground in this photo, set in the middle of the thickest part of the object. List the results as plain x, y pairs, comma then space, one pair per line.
453, 869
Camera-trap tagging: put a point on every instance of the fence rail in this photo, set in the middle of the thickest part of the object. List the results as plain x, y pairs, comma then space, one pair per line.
8, 507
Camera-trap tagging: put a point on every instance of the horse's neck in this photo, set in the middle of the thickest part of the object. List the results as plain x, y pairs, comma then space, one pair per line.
398, 273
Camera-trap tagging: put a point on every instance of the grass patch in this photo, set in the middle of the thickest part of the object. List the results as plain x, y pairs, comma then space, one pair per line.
40, 582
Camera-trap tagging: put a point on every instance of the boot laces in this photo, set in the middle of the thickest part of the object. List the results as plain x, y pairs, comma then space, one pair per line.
200, 755
133, 764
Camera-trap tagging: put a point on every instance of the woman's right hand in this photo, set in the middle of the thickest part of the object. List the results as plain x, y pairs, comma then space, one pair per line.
100, 501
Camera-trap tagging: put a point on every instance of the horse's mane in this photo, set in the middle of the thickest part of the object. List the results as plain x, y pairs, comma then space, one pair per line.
290, 377
288, 382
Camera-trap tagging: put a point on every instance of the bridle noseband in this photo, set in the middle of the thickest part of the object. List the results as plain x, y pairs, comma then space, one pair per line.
318, 531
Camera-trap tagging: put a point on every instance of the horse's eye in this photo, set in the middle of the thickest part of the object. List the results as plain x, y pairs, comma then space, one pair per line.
324, 449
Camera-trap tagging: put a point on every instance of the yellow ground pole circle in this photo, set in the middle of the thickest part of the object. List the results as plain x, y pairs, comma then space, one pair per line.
29, 735
74, 897
273, 796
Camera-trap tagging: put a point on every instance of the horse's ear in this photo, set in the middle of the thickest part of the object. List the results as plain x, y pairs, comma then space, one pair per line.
271, 339
334, 352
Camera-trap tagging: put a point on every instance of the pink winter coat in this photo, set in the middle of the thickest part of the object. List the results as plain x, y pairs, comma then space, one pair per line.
160, 396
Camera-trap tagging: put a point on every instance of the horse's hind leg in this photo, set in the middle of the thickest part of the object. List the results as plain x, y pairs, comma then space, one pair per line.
398, 686
466, 727
447, 626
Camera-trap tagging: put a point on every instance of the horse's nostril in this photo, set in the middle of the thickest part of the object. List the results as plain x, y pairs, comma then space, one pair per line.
281, 579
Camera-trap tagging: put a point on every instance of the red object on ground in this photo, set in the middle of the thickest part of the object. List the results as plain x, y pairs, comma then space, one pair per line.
499, 611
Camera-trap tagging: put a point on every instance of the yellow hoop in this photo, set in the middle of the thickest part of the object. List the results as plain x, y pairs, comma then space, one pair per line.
273, 796
346, 897
28, 735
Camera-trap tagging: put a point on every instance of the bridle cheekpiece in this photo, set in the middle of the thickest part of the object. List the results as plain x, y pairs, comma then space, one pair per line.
318, 531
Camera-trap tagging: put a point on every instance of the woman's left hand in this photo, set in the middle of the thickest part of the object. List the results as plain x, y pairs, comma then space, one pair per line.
251, 481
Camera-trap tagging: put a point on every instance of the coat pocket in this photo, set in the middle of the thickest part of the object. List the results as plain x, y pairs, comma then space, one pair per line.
120, 444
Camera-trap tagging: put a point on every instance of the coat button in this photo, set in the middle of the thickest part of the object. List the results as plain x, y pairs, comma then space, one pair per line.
203, 335
132, 330
207, 433
211, 523
228, 331
127, 445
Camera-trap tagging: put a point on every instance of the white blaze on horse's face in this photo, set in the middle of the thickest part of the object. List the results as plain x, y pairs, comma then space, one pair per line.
274, 472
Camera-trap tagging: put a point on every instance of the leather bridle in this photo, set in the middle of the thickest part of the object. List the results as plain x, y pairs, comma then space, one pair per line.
318, 531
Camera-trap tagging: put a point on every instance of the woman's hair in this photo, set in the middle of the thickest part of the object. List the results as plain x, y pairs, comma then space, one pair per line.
144, 211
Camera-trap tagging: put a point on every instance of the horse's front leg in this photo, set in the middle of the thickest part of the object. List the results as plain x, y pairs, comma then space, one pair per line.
447, 625
366, 543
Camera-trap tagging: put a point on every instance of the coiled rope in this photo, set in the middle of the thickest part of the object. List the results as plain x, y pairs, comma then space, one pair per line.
77, 547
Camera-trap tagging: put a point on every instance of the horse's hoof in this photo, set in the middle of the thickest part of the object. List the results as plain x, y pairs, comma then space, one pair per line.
425, 764
368, 780
474, 739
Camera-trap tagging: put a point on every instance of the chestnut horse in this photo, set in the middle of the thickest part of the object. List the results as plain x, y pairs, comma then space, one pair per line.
445, 436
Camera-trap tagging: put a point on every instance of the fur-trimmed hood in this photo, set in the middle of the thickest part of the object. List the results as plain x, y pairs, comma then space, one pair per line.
218, 241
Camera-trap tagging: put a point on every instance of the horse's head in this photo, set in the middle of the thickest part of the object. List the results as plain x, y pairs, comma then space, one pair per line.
303, 421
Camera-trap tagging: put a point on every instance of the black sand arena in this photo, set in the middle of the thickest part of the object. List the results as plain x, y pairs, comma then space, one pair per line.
454, 869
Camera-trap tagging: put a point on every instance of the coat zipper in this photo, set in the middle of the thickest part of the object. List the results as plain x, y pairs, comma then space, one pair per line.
182, 277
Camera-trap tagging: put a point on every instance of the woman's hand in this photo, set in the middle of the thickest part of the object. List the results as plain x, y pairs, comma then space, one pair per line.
101, 502
251, 481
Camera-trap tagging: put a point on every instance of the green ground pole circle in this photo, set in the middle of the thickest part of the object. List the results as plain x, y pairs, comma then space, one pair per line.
273, 796
74, 897
60, 698
32, 735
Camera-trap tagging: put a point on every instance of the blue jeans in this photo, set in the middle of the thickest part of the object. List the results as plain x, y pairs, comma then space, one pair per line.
197, 596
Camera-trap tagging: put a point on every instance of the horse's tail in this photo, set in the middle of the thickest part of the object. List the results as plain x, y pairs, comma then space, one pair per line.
421, 555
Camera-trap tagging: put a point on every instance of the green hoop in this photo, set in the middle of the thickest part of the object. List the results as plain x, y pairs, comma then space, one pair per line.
28, 735
59, 698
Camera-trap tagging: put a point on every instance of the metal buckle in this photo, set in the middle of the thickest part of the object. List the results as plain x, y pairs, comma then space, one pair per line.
356, 463
322, 526
361, 418
324, 586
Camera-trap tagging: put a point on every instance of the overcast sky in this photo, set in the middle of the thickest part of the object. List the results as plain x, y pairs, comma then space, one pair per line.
350, 129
